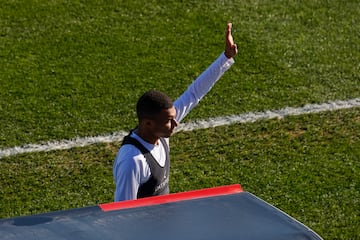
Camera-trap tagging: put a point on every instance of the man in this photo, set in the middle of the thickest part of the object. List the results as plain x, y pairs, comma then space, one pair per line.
141, 168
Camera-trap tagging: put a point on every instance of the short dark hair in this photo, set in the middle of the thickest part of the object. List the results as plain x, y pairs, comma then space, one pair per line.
152, 103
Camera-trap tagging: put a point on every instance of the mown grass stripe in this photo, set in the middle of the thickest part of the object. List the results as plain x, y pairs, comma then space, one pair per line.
200, 124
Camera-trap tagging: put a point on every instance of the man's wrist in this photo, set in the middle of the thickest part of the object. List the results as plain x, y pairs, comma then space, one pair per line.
227, 55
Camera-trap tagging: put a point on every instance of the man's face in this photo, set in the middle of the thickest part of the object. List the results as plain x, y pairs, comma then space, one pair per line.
165, 122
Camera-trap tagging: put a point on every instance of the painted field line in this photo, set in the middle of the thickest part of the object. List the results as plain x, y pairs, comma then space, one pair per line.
200, 124
270, 114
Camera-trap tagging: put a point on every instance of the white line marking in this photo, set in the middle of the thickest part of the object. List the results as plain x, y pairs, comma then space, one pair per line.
200, 124
270, 114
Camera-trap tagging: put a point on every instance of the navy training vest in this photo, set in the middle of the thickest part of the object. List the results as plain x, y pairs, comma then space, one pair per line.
158, 184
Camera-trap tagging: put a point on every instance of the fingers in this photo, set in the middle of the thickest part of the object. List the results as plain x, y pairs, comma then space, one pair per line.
230, 48
228, 29
229, 37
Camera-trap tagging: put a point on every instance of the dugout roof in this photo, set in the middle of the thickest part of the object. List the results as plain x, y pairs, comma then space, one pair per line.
217, 213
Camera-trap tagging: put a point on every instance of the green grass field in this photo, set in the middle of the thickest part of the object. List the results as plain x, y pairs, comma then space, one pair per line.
76, 68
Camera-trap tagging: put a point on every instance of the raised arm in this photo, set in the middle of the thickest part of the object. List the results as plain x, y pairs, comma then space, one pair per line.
203, 84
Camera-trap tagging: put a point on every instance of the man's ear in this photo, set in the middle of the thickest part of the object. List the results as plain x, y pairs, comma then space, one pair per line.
149, 123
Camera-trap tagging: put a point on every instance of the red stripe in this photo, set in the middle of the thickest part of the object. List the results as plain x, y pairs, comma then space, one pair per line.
175, 197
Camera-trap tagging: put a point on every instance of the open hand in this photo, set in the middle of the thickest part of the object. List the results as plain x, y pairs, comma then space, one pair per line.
230, 47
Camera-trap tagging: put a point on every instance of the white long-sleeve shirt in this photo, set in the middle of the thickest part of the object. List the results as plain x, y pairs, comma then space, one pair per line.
130, 168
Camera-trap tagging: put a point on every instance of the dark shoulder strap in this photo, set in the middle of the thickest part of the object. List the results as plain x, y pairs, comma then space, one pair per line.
130, 140
148, 156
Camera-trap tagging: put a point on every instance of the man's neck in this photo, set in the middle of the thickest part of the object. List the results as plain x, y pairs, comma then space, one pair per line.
146, 136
